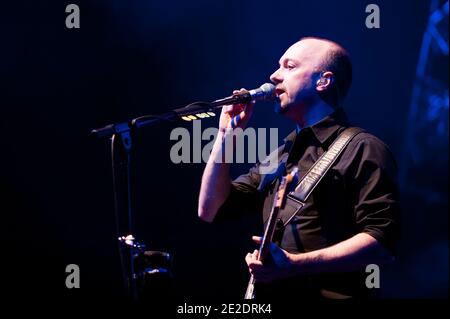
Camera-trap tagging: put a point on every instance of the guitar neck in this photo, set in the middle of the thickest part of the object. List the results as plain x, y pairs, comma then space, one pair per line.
279, 200
268, 234
269, 231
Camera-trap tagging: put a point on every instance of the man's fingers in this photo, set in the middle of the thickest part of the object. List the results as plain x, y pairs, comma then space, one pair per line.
242, 90
233, 110
252, 256
260, 273
257, 239
238, 114
256, 268
248, 258
245, 113
255, 265
249, 108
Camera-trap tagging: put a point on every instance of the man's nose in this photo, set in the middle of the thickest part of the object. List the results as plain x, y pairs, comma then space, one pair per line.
276, 77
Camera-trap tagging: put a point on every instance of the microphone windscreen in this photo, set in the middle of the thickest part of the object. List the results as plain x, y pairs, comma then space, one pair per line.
268, 90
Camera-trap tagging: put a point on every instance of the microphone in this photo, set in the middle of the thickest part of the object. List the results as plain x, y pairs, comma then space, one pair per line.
264, 92
199, 110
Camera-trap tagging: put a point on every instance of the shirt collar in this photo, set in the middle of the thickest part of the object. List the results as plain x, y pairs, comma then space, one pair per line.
326, 127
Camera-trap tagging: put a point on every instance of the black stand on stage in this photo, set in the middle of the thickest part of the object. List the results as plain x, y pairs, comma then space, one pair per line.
121, 145
121, 135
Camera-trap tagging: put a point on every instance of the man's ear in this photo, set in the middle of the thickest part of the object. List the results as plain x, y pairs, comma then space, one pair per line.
325, 80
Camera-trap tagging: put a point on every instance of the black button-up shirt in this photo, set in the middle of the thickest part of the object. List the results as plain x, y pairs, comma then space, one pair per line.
358, 194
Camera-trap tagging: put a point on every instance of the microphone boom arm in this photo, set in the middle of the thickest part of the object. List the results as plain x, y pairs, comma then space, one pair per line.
190, 112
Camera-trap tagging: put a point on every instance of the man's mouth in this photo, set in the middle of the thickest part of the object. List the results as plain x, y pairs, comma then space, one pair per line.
278, 92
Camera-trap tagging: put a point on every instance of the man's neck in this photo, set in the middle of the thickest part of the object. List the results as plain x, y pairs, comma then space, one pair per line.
314, 114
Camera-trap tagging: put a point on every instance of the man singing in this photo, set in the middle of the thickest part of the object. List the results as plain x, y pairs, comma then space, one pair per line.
351, 219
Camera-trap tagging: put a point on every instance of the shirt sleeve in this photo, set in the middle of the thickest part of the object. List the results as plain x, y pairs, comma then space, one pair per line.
244, 196
375, 180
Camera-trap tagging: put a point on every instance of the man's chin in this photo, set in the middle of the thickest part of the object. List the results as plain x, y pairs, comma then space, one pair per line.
280, 109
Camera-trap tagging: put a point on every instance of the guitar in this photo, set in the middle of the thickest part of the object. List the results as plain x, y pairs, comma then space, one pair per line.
278, 204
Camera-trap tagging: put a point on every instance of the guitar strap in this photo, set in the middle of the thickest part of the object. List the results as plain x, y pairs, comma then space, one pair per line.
297, 198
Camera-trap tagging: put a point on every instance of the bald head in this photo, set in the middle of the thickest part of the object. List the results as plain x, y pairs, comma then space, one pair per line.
313, 51
333, 58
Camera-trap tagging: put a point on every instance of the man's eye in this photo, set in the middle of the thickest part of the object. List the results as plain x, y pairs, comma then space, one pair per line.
290, 66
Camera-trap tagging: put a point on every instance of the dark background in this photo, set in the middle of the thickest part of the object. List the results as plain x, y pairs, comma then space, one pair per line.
131, 58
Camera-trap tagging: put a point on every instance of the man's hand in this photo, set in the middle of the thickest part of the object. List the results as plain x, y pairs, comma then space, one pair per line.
352, 254
281, 267
238, 115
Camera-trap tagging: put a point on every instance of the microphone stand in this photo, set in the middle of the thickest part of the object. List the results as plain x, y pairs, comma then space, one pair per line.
121, 146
